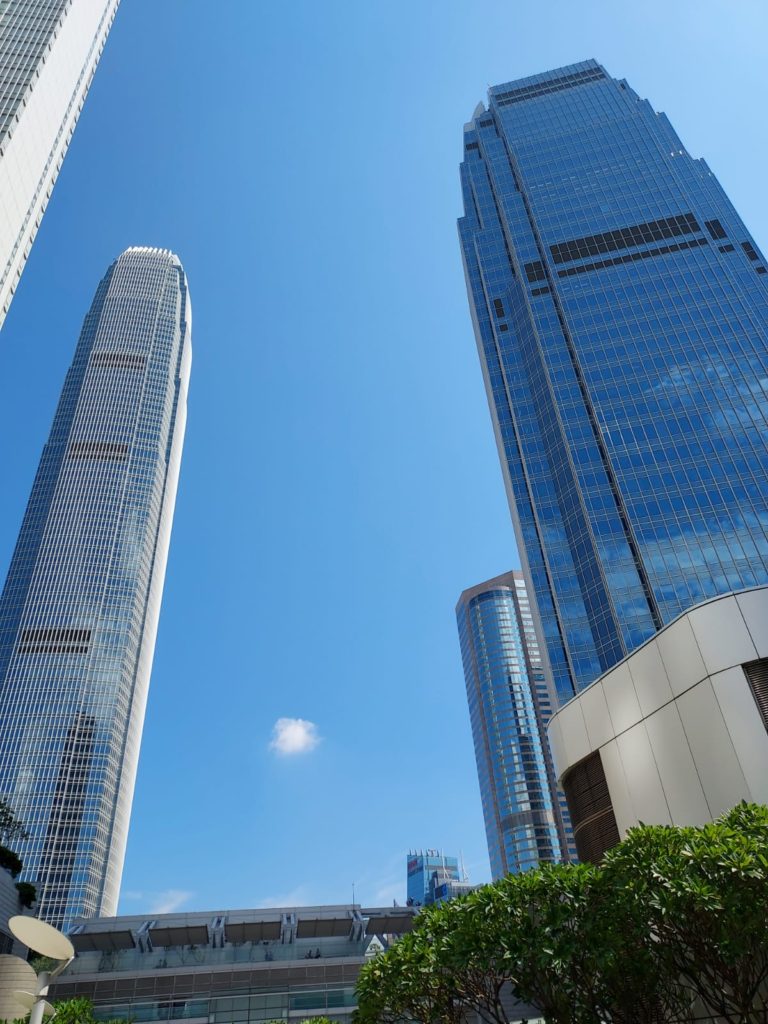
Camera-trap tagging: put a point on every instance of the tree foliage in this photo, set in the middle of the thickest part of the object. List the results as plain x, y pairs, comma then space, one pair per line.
704, 895
672, 925
73, 1011
11, 828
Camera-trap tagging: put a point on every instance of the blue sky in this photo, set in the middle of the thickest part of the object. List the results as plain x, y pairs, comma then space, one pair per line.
340, 484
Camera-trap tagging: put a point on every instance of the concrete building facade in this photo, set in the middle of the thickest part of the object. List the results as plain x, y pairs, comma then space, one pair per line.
676, 733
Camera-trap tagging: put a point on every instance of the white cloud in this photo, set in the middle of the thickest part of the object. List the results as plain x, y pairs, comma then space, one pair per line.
297, 897
166, 901
170, 900
294, 736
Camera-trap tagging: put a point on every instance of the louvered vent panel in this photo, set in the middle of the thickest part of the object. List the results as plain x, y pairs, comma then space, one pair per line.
110, 450
118, 360
592, 817
54, 640
757, 677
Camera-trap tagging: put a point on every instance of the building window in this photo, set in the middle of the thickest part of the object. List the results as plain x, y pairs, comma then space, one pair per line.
535, 271
592, 817
53, 640
715, 228
757, 677
624, 238
750, 250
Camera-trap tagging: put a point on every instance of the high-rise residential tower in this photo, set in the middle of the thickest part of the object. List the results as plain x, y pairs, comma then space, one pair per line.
621, 313
49, 50
509, 707
79, 612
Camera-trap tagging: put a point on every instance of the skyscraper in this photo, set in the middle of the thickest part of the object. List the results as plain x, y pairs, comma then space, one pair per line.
429, 873
49, 50
621, 313
509, 707
79, 611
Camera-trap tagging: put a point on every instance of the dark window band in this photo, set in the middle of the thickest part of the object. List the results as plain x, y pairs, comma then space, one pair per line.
54, 640
111, 450
118, 360
530, 92
716, 229
535, 271
539, 291
750, 250
623, 238
633, 257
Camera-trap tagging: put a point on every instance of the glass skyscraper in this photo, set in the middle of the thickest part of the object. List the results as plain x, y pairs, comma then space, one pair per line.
509, 707
49, 50
421, 866
79, 611
621, 312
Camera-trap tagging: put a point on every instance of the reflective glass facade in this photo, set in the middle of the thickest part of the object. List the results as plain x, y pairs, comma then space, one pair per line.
621, 314
509, 707
421, 866
79, 611
49, 50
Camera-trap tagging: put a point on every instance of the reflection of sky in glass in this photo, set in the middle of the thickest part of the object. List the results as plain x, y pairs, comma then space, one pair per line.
78, 615
509, 707
622, 327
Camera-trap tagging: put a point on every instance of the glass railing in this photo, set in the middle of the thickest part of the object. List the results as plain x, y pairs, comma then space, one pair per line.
171, 957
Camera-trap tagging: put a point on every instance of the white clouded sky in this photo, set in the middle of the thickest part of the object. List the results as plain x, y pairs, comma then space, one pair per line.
294, 736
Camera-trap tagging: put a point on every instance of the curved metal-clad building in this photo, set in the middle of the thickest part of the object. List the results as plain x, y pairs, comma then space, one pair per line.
80, 607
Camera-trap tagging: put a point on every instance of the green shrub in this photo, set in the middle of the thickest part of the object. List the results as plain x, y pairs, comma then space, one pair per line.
27, 893
10, 861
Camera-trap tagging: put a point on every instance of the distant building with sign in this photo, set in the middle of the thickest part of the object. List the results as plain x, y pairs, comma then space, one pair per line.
433, 878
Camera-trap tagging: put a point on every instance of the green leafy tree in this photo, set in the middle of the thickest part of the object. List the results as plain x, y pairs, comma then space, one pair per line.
408, 984
704, 894
11, 828
73, 1011
78, 1011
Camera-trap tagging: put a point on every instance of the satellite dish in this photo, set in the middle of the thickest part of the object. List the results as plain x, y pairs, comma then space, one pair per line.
15, 974
28, 1000
41, 937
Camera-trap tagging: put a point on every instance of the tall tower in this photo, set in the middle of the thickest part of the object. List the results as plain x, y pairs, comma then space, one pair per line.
509, 708
49, 50
79, 611
620, 308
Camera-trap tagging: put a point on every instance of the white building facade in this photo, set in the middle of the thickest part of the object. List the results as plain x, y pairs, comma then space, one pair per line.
49, 50
676, 733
